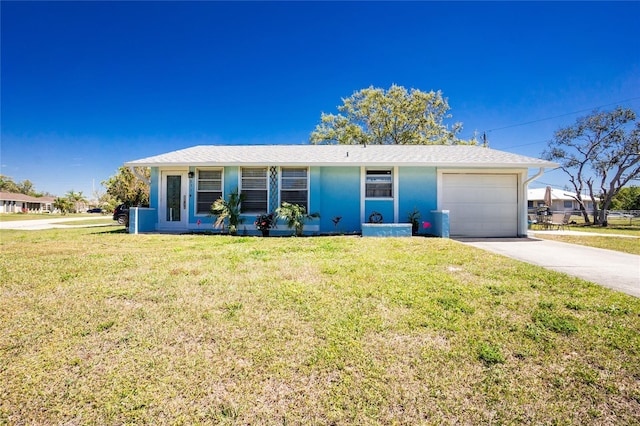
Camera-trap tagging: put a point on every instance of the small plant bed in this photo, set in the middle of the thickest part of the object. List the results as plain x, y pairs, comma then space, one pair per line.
99, 327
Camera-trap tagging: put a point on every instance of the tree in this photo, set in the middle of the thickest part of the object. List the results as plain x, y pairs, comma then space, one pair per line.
128, 188
8, 185
26, 187
627, 199
396, 116
76, 198
62, 204
600, 153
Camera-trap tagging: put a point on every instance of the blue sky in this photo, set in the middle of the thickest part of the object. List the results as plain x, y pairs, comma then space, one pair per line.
87, 86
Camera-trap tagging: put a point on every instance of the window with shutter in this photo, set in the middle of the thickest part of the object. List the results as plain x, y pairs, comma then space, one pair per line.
294, 186
209, 189
254, 189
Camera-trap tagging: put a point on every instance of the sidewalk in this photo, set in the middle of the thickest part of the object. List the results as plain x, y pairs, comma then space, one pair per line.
38, 224
615, 270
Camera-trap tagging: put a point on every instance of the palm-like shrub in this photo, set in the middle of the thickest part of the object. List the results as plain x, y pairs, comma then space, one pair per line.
229, 211
295, 216
63, 204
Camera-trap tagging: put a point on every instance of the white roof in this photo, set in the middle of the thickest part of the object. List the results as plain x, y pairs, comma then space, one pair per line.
556, 194
10, 196
342, 155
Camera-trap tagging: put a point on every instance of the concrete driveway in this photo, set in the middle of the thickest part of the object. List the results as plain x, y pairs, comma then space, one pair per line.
616, 270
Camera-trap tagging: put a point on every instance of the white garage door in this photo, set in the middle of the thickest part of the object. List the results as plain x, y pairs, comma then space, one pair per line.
481, 205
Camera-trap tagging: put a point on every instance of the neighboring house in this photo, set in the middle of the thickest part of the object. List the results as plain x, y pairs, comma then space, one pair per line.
561, 200
468, 191
20, 203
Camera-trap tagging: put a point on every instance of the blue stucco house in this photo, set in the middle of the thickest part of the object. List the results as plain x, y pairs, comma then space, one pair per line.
462, 191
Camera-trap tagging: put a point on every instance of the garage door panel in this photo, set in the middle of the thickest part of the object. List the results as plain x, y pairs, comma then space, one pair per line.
481, 205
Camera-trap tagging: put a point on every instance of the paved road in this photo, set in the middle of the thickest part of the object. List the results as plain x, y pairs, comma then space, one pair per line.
612, 269
37, 224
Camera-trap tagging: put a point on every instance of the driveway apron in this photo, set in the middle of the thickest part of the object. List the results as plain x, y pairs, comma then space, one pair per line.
615, 270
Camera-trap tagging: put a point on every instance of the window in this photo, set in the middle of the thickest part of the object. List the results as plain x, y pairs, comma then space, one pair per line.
209, 189
568, 204
254, 188
379, 184
293, 186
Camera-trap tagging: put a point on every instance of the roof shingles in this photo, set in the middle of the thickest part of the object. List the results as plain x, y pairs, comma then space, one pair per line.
334, 155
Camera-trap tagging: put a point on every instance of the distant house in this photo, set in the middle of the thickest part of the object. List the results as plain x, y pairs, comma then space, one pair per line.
20, 203
561, 200
467, 191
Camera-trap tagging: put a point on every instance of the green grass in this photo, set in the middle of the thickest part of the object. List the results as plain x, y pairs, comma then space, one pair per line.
625, 245
95, 220
612, 229
101, 327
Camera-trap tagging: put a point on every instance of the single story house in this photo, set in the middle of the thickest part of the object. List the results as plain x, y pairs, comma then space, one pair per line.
20, 203
561, 200
465, 191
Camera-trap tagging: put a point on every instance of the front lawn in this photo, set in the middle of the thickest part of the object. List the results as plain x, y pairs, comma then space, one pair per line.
102, 327
625, 245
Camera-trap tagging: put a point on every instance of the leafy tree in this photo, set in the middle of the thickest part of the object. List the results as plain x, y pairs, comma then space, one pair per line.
396, 116
295, 216
627, 199
26, 187
600, 153
108, 202
128, 188
63, 204
76, 198
8, 185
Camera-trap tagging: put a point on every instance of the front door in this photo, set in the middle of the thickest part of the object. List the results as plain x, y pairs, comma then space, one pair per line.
173, 212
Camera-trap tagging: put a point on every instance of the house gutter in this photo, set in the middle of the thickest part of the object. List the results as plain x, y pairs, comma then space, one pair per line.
139, 176
534, 177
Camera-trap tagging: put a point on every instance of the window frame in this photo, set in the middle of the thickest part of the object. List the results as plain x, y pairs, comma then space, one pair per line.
282, 179
387, 170
197, 189
266, 189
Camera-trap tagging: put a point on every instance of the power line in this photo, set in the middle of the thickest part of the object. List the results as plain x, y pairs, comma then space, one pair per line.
562, 115
525, 144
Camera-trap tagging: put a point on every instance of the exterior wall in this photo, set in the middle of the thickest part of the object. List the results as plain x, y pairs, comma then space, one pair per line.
142, 219
333, 192
558, 205
418, 189
154, 188
337, 193
17, 206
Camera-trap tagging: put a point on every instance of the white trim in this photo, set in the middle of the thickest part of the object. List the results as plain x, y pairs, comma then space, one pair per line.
307, 168
195, 188
184, 189
396, 194
363, 191
381, 169
267, 187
